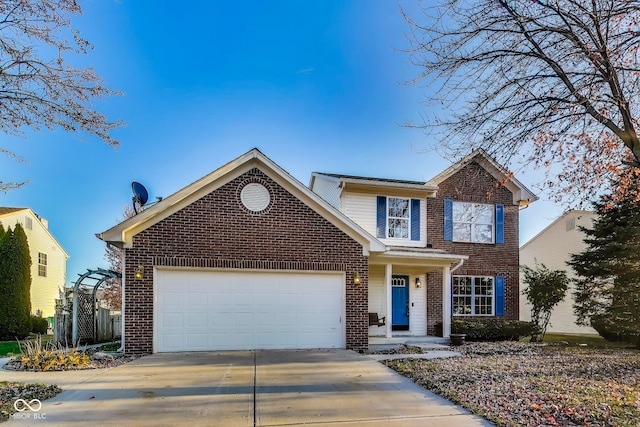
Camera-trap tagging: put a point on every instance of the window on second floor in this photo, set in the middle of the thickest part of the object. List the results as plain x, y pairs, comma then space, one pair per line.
398, 218
42, 264
473, 222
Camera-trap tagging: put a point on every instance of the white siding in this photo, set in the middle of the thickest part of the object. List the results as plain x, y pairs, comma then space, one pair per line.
362, 209
418, 306
417, 303
377, 297
44, 290
328, 189
552, 247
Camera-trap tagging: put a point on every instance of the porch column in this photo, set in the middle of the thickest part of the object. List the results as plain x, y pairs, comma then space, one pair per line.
446, 301
388, 272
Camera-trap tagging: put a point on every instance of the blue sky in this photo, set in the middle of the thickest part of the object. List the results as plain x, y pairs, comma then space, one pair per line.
315, 85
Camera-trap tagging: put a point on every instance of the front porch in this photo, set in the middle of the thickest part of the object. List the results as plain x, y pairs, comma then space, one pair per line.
411, 289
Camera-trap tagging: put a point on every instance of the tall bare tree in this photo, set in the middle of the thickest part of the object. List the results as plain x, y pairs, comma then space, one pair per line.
38, 86
552, 83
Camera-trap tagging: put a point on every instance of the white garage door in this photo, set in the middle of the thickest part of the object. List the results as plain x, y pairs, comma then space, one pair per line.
204, 310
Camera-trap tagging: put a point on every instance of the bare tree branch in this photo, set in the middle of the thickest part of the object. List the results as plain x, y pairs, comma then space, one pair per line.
552, 83
38, 88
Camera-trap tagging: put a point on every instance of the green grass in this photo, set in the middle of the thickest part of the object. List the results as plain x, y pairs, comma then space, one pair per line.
11, 348
592, 341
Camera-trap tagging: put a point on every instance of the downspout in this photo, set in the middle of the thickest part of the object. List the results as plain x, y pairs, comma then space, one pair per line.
122, 283
447, 306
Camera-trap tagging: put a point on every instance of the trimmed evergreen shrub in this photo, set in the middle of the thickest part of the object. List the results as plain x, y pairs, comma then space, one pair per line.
15, 284
493, 329
39, 325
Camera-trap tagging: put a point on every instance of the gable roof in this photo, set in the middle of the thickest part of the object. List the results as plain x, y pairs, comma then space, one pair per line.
521, 194
7, 212
122, 234
565, 215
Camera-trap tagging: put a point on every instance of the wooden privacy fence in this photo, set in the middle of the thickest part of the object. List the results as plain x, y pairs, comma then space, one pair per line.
109, 325
99, 327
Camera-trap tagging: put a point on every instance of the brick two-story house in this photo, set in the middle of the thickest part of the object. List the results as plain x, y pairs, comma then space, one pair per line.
248, 257
451, 243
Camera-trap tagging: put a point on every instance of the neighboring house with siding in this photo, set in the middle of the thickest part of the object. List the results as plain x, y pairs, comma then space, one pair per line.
248, 257
48, 258
553, 247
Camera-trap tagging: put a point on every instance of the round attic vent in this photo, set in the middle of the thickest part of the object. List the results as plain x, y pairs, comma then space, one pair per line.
255, 197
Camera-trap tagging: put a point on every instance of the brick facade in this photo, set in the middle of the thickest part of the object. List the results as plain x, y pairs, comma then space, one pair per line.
217, 231
473, 183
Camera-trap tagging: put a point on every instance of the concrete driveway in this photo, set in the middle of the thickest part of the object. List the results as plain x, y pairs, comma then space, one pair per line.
245, 388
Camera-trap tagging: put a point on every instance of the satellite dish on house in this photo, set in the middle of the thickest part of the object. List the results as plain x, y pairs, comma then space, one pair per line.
140, 195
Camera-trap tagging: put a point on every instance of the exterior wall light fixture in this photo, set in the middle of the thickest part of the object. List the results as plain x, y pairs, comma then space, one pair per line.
139, 273
356, 278
418, 283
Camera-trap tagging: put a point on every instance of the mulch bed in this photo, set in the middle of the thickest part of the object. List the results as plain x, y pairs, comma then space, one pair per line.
16, 365
522, 384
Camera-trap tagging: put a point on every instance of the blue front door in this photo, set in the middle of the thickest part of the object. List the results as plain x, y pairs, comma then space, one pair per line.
400, 302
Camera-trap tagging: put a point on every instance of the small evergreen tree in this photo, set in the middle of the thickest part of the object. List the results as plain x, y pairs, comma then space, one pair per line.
6, 291
15, 284
545, 289
607, 292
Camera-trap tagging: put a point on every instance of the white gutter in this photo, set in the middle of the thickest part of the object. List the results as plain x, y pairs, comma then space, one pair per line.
458, 265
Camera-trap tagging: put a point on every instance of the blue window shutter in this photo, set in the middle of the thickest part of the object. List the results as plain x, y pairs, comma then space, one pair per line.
415, 219
381, 220
499, 295
448, 219
499, 224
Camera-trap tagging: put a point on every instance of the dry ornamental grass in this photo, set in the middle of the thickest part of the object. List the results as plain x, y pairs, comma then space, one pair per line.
521, 384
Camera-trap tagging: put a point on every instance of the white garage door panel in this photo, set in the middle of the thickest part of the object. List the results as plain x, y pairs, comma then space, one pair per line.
200, 310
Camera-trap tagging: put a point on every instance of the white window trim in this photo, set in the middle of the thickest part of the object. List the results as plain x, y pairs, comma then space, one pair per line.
42, 265
389, 218
474, 223
473, 296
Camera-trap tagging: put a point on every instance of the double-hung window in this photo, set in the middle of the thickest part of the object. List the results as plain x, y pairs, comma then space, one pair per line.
473, 296
397, 218
42, 264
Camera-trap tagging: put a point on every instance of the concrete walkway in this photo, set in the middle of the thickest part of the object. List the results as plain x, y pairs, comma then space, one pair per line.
245, 388
430, 350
